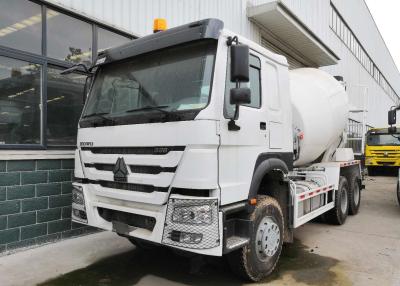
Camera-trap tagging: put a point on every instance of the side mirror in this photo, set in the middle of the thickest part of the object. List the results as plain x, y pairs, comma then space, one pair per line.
240, 63
392, 116
240, 96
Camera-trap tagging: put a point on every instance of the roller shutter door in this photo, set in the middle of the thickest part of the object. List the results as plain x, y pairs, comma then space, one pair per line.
293, 63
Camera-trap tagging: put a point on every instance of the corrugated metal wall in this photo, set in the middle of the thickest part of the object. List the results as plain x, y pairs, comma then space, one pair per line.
137, 16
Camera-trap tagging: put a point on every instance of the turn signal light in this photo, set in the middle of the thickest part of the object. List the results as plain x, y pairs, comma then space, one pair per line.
253, 202
159, 25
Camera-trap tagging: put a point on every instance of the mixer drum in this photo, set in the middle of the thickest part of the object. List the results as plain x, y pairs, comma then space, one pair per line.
320, 112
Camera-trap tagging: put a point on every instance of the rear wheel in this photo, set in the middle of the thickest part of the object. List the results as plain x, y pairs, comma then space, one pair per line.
258, 259
354, 196
339, 213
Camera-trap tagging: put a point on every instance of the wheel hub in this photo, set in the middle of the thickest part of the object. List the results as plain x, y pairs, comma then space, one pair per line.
267, 239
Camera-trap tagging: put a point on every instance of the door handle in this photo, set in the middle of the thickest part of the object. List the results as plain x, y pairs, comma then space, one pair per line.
263, 126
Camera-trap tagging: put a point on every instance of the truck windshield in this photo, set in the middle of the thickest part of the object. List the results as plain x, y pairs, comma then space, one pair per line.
149, 88
383, 139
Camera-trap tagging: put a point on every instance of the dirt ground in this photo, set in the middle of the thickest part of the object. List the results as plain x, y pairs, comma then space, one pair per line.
365, 251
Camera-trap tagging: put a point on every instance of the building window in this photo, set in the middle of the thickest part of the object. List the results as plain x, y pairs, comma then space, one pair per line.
21, 25
20, 98
107, 39
65, 94
68, 39
30, 81
340, 28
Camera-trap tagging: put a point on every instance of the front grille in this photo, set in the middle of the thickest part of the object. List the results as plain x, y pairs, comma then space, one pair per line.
157, 150
140, 169
385, 163
151, 169
131, 187
130, 219
101, 167
386, 154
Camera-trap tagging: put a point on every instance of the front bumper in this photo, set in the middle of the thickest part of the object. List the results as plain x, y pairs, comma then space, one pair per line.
382, 161
156, 223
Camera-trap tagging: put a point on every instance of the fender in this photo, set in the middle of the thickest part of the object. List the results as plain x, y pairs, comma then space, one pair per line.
266, 163
240, 227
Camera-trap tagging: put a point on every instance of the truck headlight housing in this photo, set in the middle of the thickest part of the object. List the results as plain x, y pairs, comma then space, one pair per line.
77, 195
78, 204
195, 215
192, 223
186, 237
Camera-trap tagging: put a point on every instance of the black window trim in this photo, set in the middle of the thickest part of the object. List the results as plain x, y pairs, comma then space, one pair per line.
259, 68
43, 60
259, 79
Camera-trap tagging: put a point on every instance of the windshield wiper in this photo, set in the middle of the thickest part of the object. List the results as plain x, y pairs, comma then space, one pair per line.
169, 115
100, 115
151, 107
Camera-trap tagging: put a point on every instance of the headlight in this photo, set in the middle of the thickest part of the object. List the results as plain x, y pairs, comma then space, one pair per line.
77, 195
195, 215
186, 237
192, 223
78, 205
368, 161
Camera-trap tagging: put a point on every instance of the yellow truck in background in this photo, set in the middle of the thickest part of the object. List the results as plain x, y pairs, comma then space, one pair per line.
382, 149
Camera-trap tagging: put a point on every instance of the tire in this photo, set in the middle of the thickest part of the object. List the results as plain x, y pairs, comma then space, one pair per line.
339, 213
258, 259
371, 171
142, 244
354, 196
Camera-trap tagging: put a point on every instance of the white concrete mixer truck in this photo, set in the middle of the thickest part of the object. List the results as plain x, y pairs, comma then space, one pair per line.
198, 139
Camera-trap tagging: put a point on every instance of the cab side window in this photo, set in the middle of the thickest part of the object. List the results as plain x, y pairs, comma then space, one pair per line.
254, 84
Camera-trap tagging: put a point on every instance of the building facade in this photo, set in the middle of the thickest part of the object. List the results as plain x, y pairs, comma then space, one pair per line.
39, 108
39, 111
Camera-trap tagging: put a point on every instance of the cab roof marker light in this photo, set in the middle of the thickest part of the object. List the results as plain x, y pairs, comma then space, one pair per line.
159, 25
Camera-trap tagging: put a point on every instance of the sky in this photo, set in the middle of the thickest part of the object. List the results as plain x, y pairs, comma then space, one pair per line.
387, 18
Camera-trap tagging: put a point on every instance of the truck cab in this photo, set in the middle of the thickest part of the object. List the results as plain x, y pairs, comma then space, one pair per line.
382, 149
186, 140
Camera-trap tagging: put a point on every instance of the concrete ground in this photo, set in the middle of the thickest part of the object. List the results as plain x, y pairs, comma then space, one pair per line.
365, 251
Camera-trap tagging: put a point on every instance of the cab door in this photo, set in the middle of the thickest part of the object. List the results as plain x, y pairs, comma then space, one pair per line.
239, 149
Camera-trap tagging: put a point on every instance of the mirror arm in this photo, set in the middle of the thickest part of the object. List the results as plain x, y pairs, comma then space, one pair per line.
232, 40
87, 71
232, 126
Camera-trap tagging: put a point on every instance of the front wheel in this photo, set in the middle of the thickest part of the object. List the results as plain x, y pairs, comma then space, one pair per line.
258, 259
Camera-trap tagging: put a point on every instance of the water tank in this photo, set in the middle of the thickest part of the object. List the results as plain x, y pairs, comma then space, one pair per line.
320, 112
